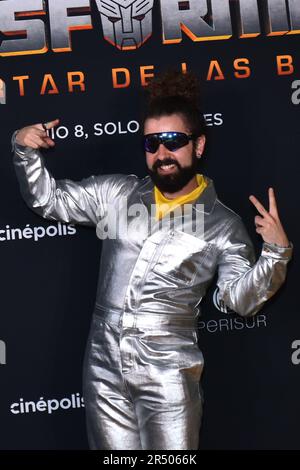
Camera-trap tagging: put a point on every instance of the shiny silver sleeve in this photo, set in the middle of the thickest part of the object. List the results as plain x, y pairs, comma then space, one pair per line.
245, 285
80, 202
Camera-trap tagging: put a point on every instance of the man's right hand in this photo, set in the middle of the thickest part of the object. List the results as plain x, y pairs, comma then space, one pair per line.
35, 136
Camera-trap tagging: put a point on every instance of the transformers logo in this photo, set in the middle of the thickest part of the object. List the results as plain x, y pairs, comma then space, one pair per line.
126, 24
35, 26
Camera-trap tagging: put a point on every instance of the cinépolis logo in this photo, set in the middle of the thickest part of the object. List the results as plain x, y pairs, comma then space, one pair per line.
35, 26
49, 405
2, 353
35, 233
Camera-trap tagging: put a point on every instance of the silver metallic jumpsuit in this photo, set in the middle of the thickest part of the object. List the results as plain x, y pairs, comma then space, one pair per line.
143, 364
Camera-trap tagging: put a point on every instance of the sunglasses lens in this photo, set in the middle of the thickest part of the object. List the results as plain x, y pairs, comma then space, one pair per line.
172, 141
151, 143
176, 141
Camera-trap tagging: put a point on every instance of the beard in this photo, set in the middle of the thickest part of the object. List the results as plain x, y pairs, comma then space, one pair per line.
176, 181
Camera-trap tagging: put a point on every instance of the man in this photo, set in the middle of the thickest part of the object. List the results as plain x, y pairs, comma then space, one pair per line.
2, 92
143, 364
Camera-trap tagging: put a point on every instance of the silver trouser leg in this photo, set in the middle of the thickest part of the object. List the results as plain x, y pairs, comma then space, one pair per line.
164, 386
110, 414
141, 388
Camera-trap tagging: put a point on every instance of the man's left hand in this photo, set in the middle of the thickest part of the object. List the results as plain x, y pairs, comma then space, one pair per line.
268, 224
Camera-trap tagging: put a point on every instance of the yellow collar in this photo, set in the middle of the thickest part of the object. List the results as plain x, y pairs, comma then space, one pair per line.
165, 205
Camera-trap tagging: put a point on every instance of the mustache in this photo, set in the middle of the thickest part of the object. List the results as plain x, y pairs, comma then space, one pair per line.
166, 161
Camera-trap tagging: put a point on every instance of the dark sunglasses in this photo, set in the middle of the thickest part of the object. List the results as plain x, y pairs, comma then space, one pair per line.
171, 140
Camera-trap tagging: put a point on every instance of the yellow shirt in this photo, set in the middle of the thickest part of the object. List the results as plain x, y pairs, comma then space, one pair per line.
164, 205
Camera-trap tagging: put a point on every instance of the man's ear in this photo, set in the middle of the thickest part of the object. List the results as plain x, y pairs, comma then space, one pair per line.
200, 145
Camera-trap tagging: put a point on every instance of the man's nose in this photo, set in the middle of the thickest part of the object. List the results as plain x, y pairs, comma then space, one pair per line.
162, 151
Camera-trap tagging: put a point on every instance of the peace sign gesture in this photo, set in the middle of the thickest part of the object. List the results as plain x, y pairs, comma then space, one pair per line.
268, 224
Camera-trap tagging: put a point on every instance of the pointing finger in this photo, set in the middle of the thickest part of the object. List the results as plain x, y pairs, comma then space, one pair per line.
50, 124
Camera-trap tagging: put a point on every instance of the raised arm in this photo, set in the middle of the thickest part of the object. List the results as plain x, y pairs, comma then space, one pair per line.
80, 202
245, 285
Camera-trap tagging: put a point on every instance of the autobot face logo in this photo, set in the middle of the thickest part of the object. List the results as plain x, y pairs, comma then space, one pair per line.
126, 24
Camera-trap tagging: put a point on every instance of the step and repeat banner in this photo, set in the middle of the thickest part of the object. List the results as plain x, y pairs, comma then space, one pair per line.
87, 63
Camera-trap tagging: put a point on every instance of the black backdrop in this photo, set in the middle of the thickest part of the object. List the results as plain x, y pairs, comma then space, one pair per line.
49, 272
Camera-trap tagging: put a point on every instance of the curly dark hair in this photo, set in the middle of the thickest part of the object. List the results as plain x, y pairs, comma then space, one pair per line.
176, 93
